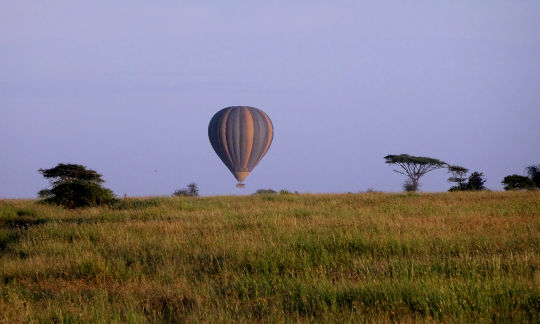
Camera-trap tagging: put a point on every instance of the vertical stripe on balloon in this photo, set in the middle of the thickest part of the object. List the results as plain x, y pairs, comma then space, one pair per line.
248, 147
223, 134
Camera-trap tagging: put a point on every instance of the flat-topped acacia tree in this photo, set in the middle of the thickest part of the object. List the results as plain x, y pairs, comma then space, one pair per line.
73, 185
414, 167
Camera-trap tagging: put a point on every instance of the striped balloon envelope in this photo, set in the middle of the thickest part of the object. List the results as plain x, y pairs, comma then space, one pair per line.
241, 136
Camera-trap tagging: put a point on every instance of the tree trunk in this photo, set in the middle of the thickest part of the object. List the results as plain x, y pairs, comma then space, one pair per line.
415, 184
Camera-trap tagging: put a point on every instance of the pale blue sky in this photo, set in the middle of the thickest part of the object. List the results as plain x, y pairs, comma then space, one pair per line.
128, 87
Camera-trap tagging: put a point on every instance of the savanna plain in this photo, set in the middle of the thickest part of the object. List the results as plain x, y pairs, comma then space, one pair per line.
370, 257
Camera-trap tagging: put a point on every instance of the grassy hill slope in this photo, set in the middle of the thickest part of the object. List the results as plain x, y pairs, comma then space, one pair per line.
330, 258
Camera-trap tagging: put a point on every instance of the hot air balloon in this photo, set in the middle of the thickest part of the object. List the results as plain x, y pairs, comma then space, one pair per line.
241, 136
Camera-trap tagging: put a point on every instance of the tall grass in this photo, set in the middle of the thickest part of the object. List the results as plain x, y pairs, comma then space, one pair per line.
450, 257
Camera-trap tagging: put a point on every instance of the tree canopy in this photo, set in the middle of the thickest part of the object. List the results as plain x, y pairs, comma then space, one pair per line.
411, 159
516, 182
71, 172
476, 181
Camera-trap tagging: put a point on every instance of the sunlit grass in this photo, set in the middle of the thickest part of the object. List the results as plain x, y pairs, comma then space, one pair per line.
466, 257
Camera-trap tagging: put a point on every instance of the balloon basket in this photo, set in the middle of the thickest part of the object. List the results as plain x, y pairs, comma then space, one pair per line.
240, 185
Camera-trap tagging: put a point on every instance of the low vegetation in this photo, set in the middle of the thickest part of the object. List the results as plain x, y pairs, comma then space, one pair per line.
448, 257
519, 182
192, 190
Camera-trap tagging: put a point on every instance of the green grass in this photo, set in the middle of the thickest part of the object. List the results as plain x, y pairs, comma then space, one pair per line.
449, 257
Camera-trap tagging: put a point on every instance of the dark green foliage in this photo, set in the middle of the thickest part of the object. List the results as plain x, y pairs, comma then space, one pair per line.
265, 192
409, 186
476, 181
75, 186
181, 193
516, 182
78, 193
191, 191
68, 172
411, 159
534, 174
459, 176
414, 167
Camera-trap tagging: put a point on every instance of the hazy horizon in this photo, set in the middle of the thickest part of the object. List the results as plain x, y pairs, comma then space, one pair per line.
128, 89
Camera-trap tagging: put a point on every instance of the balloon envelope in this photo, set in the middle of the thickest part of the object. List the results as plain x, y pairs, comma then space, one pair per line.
241, 136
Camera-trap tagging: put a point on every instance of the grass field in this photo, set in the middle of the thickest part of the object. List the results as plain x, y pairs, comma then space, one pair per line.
450, 257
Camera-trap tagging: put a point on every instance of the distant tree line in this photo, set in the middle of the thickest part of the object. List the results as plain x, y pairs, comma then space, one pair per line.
273, 192
414, 167
74, 186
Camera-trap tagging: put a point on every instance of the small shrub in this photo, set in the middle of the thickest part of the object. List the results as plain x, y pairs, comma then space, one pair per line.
265, 192
409, 186
181, 192
191, 191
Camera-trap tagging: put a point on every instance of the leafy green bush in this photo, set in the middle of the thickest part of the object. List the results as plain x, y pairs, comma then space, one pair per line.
476, 181
191, 191
75, 186
516, 182
409, 186
265, 192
